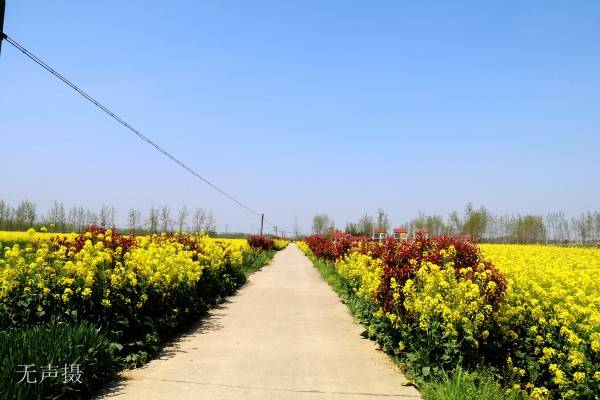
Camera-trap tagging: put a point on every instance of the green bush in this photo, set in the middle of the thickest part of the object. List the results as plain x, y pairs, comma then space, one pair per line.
255, 259
55, 352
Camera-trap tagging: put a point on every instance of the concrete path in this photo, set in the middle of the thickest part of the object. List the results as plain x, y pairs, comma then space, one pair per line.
285, 335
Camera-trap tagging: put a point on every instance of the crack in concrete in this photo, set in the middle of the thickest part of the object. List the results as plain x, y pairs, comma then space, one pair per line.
315, 391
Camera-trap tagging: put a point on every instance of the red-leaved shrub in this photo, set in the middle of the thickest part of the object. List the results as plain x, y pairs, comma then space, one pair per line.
98, 234
321, 246
261, 242
397, 256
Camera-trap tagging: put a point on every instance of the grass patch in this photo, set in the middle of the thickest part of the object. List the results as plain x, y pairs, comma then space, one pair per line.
52, 347
463, 385
255, 259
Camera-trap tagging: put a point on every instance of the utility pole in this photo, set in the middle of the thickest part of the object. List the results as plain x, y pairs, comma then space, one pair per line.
275, 230
262, 220
2, 6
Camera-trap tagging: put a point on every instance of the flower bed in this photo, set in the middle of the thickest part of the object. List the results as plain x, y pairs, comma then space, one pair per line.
440, 303
136, 291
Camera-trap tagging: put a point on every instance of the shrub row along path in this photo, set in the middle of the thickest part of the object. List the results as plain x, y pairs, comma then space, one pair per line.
285, 335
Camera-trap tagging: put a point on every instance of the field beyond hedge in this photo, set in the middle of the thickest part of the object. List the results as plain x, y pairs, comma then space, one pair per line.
526, 316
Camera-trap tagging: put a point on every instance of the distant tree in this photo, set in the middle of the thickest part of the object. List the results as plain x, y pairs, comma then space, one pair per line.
107, 216
104, 217
56, 217
492, 228
9, 218
528, 229
72, 218
563, 228
25, 215
454, 223
435, 225
30, 213
139, 221
589, 225
182, 218
321, 224
557, 227
133, 219
76, 218
331, 228
550, 223
4, 210
165, 218
19, 218
211, 223
383, 221
152, 222
198, 220
597, 226
365, 225
584, 227
419, 222
352, 229
80, 224
476, 221
296, 228
91, 218
502, 228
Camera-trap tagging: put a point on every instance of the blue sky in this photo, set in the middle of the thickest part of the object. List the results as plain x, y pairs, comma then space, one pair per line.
304, 107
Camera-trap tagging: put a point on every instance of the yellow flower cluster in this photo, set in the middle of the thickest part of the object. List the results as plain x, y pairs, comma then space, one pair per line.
438, 299
211, 253
240, 244
304, 248
362, 272
45, 275
42, 275
32, 236
552, 311
280, 244
158, 266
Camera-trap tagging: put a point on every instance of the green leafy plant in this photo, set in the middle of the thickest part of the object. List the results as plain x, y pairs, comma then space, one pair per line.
75, 358
463, 385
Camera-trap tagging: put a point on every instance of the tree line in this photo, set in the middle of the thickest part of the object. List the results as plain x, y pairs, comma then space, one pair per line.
323, 225
76, 218
483, 225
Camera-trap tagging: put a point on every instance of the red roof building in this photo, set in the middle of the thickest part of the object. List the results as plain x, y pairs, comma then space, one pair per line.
379, 234
400, 233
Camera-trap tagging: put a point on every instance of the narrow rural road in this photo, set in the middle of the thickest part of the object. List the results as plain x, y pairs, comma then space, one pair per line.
285, 335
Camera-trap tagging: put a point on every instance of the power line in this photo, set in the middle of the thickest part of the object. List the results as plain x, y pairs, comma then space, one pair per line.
124, 123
